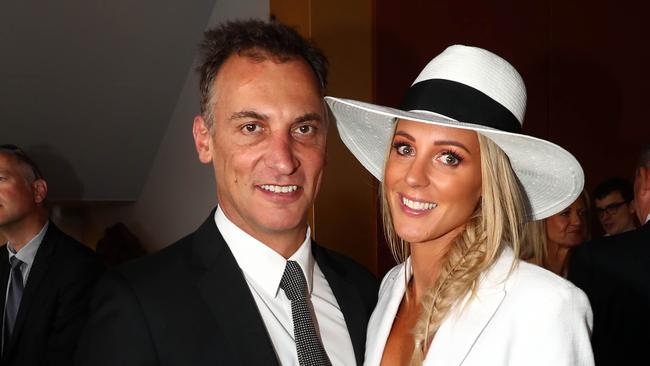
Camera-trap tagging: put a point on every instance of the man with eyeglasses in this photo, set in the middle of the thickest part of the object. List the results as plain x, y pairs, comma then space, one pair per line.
614, 204
614, 272
45, 275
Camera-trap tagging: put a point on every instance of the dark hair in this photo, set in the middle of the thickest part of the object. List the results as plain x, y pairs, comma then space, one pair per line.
255, 39
22, 158
612, 185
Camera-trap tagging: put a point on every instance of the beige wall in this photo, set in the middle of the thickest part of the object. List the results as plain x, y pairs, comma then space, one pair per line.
344, 213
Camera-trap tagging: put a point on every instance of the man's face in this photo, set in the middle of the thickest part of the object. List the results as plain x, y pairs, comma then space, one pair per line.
267, 144
19, 197
615, 215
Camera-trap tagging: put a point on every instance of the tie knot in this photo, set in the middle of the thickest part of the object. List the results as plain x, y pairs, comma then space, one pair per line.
293, 282
15, 262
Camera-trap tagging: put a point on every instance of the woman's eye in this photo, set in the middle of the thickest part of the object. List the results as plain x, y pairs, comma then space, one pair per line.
403, 149
450, 158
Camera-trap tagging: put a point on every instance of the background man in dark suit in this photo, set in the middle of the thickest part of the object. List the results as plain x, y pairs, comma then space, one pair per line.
614, 271
45, 275
222, 295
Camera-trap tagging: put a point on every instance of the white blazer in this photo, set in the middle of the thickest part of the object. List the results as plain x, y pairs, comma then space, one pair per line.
531, 317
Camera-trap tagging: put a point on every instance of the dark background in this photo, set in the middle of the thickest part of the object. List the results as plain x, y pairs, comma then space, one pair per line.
585, 65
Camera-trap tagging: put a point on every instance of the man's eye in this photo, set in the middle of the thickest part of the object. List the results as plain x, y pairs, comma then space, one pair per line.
306, 129
251, 127
403, 149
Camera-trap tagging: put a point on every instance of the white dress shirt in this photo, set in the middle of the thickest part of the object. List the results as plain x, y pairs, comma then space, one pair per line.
27, 254
263, 269
647, 218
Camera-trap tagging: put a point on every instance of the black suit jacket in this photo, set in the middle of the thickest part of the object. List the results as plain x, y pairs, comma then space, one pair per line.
189, 304
614, 272
54, 305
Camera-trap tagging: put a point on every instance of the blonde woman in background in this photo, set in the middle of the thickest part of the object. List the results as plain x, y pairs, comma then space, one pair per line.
549, 242
454, 210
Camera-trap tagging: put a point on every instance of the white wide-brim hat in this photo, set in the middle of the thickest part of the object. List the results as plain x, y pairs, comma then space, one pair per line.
469, 88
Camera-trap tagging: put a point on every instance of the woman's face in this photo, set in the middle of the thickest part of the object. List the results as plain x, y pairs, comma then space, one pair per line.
432, 179
569, 227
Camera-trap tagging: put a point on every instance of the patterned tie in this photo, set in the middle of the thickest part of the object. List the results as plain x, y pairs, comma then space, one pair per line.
309, 347
14, 295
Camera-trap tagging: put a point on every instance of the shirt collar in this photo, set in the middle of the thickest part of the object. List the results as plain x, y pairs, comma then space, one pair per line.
261, 264
27, 253
647, 218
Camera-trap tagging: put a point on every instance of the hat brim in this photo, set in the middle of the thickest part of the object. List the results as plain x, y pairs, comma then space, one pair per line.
551, 178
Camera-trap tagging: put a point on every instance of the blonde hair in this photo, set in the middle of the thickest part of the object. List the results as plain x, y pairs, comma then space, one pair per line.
495, 223
533, 243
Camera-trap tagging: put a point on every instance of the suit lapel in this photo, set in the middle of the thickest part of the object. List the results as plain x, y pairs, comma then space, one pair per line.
36, 275
459, 332
224, 289
4, 274
348, 299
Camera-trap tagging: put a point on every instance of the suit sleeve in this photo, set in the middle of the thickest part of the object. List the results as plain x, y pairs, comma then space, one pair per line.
71, 311
117, 331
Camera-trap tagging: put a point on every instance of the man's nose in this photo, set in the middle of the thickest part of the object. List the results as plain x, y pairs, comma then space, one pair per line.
280, 155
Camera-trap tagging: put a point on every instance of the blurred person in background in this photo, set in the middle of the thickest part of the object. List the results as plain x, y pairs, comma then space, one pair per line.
614, 272
614, 205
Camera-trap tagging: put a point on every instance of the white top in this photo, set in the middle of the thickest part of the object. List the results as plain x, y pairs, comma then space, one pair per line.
27, 253
647, 218
263, 269
532, 317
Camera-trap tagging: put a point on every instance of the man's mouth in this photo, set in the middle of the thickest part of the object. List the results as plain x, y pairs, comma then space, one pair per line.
278, 189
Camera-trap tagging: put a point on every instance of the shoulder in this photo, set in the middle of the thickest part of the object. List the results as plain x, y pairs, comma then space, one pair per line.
539, 291
167, 262
348, 269
635, 240
68, 255
67, 246
343, 264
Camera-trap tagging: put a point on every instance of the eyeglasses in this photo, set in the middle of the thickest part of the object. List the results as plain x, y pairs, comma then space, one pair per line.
611, 209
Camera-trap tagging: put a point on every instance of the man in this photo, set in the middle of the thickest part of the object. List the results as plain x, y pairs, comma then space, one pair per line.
614, 271
614, 201
223, 295
45, 275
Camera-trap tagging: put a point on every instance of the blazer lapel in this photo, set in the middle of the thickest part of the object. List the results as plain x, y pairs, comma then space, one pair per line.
36, 275
459, 332
381, 322
348, 299
223, 287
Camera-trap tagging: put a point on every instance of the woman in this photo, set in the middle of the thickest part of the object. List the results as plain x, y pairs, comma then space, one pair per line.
551, 241
455, 197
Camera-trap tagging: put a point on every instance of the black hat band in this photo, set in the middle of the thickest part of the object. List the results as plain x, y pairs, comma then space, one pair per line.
460, 102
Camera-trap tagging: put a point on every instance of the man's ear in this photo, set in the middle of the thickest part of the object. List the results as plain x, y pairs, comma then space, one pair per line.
202, 140
39, 187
